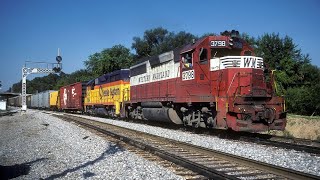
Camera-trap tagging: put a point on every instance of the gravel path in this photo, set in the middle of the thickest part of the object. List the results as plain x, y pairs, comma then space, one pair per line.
38, 146
296, 160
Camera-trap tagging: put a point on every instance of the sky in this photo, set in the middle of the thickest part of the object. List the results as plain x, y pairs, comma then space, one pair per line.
33, 30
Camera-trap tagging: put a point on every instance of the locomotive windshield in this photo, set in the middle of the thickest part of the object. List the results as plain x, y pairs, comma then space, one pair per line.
221, 52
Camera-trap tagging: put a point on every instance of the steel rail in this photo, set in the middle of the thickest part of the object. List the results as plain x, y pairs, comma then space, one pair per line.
187, 162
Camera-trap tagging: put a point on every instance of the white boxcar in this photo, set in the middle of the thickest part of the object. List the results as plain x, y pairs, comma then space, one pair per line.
41, 100
35, 100
44, 99
28, 100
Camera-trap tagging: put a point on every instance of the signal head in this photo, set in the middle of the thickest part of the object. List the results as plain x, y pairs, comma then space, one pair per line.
58, 59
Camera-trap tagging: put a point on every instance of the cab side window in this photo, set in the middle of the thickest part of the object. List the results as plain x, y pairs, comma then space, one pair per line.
187, 60
203, 56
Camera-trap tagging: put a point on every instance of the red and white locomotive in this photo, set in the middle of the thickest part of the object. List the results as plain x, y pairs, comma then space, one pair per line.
215, 82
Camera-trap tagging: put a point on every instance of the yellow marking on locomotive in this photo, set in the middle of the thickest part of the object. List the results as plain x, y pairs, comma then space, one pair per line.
54, 99
109, 95
227, 106
216, 103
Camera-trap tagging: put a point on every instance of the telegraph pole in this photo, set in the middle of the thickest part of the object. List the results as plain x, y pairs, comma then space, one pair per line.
50, 68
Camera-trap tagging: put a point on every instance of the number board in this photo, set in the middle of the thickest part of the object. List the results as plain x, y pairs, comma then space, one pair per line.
217, 43
187, 75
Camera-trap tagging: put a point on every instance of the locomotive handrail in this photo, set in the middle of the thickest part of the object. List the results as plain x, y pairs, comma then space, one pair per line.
232, 82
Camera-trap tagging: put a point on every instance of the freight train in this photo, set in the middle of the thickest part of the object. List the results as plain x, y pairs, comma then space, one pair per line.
214, 82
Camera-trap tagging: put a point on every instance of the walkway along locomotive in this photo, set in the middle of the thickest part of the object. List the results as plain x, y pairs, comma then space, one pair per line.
216, 82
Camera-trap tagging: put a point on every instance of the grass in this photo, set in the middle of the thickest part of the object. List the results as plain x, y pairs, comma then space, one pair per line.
304, 117
298, 126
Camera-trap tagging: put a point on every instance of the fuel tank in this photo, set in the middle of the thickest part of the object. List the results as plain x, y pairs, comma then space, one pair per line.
162, 114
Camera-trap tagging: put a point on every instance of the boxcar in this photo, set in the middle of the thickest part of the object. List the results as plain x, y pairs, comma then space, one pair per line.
41, 100
72, 96
55, 100
10, 102
28, 100
35, 100
44, 98
17, 101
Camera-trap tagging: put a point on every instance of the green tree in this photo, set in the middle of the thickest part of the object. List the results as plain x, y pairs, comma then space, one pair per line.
109, 60
94, 64
81, 75
208, 34
159, 40
249, 39
38, 84
284, 56
296, 77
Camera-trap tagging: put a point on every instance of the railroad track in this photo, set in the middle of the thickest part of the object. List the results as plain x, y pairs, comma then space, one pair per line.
298, 144
283, 142
206, 163
303, 145
6, 113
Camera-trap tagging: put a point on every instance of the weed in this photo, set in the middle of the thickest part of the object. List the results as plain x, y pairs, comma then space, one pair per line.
287, 134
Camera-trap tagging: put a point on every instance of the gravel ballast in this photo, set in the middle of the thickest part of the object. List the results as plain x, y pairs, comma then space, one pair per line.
300, 161
39, 146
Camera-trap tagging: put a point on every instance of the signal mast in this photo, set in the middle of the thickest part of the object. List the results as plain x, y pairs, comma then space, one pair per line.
50, 68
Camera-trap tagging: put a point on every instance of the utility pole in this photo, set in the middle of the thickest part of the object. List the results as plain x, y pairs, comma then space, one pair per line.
50, 68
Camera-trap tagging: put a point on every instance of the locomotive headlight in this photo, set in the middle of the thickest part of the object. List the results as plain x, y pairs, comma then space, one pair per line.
231, 42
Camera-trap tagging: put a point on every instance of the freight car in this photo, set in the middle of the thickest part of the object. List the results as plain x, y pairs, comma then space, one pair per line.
106, 94
72, 97
41, 100
13, 101
55, 100
215, 82
16, 101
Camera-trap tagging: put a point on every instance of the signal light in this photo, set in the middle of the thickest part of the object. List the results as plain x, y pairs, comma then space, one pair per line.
58, 59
